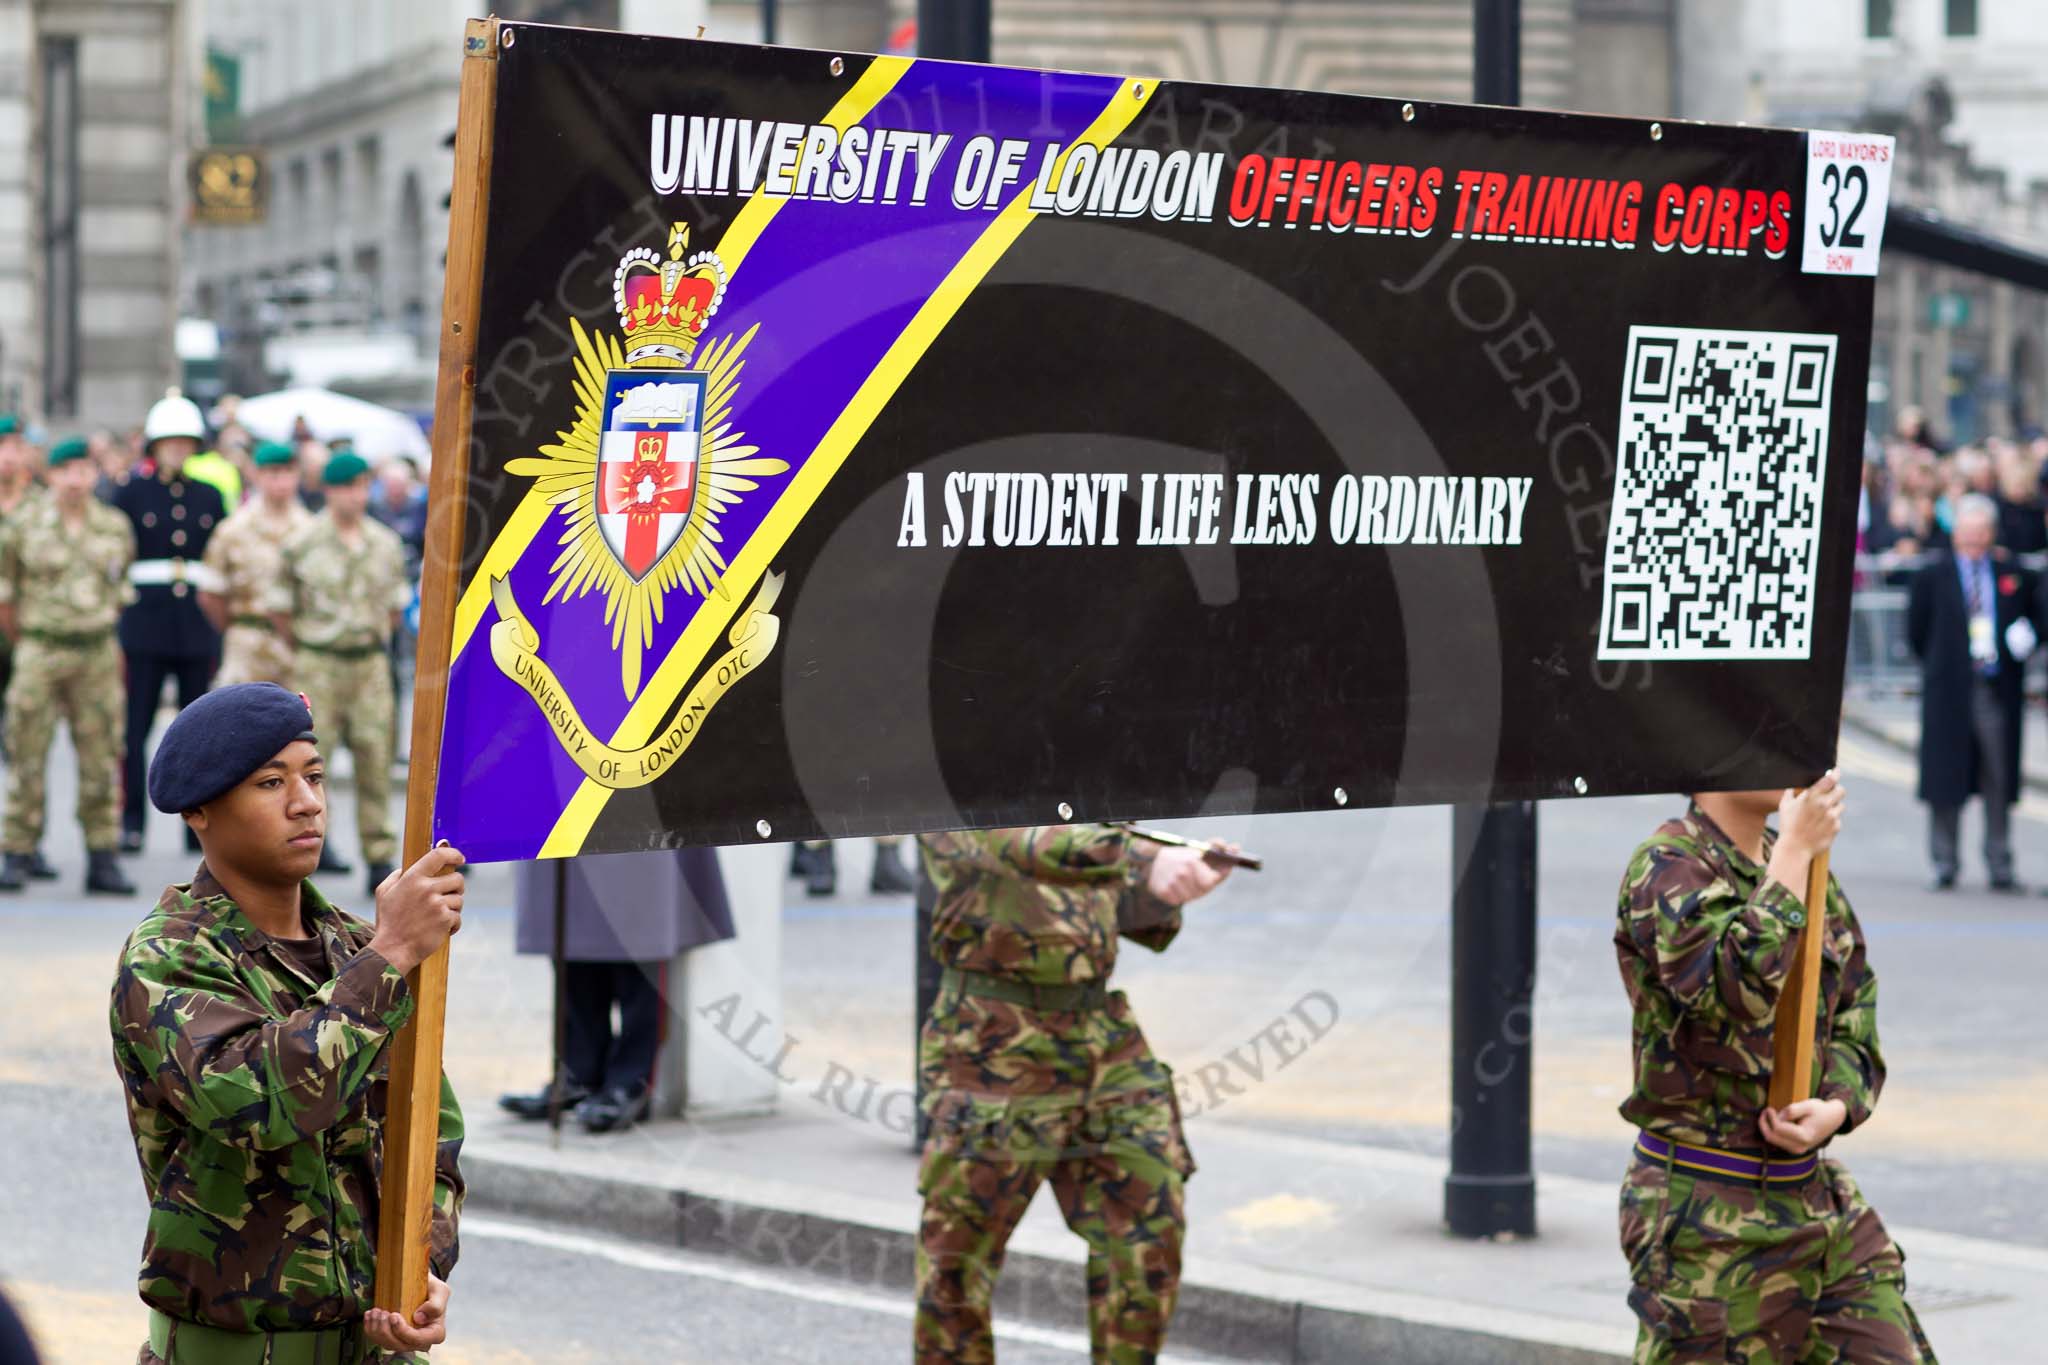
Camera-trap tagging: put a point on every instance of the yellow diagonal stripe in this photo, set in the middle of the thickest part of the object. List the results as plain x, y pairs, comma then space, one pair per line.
838, 442
528, 519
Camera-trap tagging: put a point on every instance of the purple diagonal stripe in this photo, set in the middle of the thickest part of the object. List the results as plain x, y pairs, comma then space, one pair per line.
831, 287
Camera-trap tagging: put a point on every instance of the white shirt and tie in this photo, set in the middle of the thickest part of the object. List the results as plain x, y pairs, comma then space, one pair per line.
1980, 596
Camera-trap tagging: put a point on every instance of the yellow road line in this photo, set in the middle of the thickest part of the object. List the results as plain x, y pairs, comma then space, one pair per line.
531, 516
838, 442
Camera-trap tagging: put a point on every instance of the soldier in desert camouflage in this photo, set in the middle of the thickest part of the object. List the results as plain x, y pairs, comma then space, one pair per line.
246, 555
337, 598
1033, 1069
249, 1021
1743, 1242
64, 560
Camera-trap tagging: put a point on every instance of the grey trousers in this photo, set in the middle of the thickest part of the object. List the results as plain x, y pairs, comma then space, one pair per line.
1994, 786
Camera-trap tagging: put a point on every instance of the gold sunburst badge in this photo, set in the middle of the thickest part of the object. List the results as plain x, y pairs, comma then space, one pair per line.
653, 459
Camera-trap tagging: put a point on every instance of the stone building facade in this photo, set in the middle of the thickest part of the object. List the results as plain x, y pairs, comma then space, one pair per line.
94, 102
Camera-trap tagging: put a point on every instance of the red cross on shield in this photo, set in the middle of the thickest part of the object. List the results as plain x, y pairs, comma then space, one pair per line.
646, 482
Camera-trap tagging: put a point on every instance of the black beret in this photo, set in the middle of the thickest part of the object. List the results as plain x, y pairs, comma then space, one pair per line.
220, 739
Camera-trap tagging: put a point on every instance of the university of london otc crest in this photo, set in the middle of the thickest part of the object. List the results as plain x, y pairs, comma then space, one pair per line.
636, 487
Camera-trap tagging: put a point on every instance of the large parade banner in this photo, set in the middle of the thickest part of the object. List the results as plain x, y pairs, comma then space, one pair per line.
863, 444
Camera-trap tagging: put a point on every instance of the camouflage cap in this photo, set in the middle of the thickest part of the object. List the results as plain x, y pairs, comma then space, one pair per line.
220, 739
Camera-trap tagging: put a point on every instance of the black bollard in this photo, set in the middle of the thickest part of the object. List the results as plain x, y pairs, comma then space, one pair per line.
1492, 1185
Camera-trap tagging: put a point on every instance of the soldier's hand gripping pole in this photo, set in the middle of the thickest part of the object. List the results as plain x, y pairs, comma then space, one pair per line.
1235, 857
1792, 1037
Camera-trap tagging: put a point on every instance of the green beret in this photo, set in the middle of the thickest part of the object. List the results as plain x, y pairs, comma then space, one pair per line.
9, 424
272, 452
64, 452
346, 467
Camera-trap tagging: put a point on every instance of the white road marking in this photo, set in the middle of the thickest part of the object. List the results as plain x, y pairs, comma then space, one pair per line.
794, 1285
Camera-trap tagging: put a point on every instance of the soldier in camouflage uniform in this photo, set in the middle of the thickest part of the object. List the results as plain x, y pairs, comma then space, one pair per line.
339, 592
245, 555
249, 1022
16, 488
63, 581
1033, 1068
1743, 1243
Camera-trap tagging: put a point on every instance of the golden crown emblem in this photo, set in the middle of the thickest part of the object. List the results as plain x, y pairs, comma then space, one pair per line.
663, 305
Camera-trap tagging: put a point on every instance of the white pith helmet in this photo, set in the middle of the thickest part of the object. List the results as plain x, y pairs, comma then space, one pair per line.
173, 415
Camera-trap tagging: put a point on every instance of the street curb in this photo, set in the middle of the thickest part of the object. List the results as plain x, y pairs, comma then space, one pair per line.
1266, 1316
1873, 730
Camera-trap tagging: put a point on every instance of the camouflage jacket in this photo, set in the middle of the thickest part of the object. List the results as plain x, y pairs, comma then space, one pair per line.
1044, 904
1706, 942
256, 1096
340, 595
65, 580
247, 551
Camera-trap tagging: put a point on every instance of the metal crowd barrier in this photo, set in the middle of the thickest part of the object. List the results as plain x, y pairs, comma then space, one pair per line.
1882, 666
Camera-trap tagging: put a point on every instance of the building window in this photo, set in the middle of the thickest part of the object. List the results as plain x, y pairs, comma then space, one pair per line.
1962, 18
369, 177
302, 210
333, 203
1878, 18
60, 227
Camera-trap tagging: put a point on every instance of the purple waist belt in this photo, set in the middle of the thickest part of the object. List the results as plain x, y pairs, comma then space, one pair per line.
1728, 1165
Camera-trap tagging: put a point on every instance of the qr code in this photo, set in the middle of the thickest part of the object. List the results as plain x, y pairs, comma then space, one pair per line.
1715, 527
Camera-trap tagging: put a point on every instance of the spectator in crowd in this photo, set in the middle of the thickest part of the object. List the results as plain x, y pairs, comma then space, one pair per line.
399, 500
623, 917
2020, 526
1972, 618
1912, 427
312, 471
112, 458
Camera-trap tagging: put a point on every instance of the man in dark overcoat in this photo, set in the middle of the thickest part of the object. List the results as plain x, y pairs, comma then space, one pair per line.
1972, 616
625, 916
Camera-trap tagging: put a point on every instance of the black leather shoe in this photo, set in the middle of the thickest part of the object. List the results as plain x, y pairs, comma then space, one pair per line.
890, 877
39, 867
13, 872
614, 1109
1943, 881
535, 1105
331, 862
103, 874
131, 841
2008, 886
378, 872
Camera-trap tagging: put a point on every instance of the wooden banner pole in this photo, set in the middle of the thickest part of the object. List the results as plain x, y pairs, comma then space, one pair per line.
412, 1122
1792, 1040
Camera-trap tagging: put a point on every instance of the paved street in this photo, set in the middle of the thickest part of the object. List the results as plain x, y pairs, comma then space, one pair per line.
1352, 906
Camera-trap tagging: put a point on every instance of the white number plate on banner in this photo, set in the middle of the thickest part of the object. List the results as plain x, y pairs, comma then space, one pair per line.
1848, 183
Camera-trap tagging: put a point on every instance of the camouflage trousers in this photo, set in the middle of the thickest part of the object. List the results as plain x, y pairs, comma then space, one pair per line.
253, 654
353, 706
369, 1355
81, 686
1016, 1095
1723, 1270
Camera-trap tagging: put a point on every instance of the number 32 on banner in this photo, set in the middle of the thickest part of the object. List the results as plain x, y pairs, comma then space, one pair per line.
1848, 183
